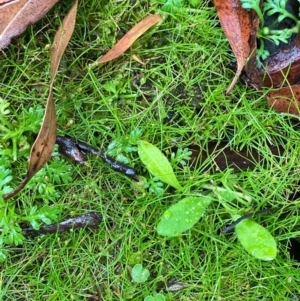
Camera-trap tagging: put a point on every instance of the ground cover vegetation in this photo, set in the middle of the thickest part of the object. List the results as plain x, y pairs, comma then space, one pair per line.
173, 99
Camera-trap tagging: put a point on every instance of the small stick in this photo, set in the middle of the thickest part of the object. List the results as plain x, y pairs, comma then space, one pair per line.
76, 150
246, 216
89, 220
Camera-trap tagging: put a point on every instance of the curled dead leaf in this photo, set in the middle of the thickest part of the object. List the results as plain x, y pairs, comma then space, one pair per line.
236, 23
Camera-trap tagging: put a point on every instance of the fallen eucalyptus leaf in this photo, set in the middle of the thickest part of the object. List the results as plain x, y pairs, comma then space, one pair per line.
157, 163
5, 1
236, 23
183, 215
15, 16
42, 148
256, 239
129, 38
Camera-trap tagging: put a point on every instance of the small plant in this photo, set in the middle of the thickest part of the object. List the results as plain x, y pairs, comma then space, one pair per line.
120, 148
276, 8
174, 6
155, 186
186, 213
139, 274
11, 216
181, 156
12, 146
12, 130
155, 297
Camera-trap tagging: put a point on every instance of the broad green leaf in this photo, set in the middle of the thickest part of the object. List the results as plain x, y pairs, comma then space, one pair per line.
182, 216
157, 163
256, 239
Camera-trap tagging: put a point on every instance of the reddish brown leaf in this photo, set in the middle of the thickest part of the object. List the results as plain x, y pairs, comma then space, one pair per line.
281, 68
286, 99
129, 38
236, 23
42, 148
15, 16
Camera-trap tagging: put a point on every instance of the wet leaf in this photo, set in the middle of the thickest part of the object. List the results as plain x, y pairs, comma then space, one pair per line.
89, 220
286, 99
15, 16
182, 216
236, 23
256, 239
157, 163
129, 38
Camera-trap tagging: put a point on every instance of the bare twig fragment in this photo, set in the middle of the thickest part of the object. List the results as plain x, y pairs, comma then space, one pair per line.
129, 38
16, 15
236, 23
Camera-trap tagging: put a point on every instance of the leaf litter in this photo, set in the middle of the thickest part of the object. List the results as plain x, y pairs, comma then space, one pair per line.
42, 148
15, 16
279, 71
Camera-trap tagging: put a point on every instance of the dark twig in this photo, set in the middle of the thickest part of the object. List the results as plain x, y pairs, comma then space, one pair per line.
89, 220
76, 150
246, 216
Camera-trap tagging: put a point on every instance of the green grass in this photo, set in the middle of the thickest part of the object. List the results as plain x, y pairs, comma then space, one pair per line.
186, 72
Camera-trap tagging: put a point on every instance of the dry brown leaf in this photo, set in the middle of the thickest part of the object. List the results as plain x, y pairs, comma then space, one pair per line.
5, 1
62, 38
17, 15
42, 148
236, 23
286, 99
129, 38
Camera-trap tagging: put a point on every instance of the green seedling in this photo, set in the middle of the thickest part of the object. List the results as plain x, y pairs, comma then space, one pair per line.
183, 215
12, 130
155, 297
271, 8
121, 147
139, 274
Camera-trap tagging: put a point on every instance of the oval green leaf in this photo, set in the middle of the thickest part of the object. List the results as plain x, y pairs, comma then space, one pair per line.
157, 163
256, 239
182, 216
